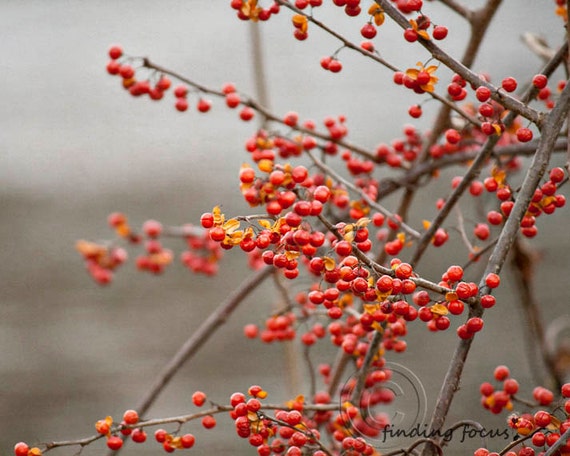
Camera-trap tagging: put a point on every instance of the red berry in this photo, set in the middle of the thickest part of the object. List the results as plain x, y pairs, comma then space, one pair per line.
509, 84
180, 91
160, 435
187, 441
524, 134
114, 442
492, 280
474, 324
557, 175
487, 301
510, 386
368, 31
325, 62
542, 418
115, 52
501, 373
209, 422
367, 46
246, 114
452, 136
483, 93
439, 32
415, 111
198, 398
131, 417
181, 104
126, 71
410, 35
486, 110
138, 436
21, 449
232, 99
335, 66
203, 105
482, 231
540, 81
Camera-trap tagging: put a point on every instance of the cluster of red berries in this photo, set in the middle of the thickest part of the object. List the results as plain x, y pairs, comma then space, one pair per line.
289, 432
419, 27
402, 151
163, 84
248, 10
154, 89
544, 201
542, 427
203, 254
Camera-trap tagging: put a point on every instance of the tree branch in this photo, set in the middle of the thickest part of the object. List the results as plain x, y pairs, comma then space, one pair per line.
551, 128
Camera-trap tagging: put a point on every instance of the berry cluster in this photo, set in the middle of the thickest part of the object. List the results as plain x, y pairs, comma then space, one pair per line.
542, 427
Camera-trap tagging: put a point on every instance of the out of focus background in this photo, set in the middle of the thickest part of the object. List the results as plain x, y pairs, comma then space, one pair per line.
75, 147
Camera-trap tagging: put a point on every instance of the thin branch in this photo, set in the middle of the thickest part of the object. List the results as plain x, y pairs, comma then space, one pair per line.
522, 264
373, 347
460, 9
181, 419
374, 56
261, 109
498, 95
561, 441
327, 170
201, 335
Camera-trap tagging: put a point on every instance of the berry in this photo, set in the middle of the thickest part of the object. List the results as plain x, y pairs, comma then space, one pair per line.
181, 104
452, 136
160, 435
233, 100
556, 175
410, 35
115, 52
483, 93
509, 84
415, 111
492, 280
203, 105
524, 134
187, 440
21, 449
131, 417
439, 32
114, 442
368, 31
540, 81
139, 436
180, 91
246, 114
209, 422
501, 373
335, 66
198, 398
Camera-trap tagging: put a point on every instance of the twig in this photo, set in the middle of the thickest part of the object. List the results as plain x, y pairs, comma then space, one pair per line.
462, 10
500, 96
201, 335
522, 263
349, 44
370, 354
327, 170
561, 441
254, 104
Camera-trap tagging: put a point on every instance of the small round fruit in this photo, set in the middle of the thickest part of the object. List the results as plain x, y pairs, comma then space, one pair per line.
439, 32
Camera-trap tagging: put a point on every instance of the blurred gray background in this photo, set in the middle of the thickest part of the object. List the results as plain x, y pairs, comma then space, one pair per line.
75, 147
